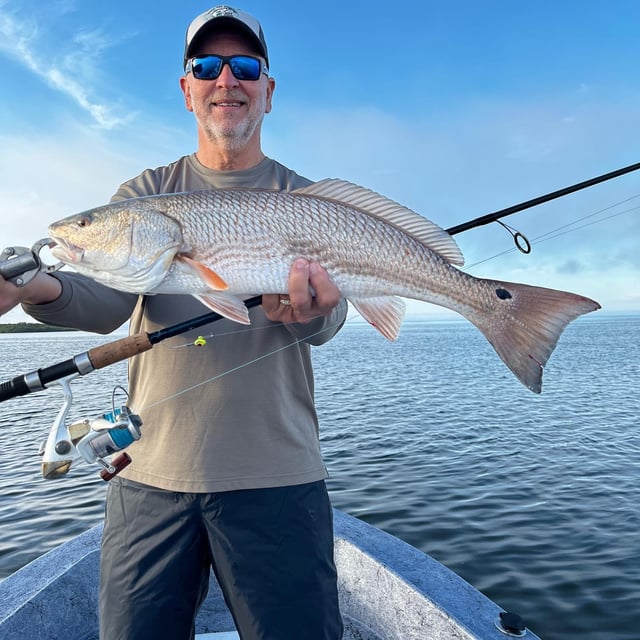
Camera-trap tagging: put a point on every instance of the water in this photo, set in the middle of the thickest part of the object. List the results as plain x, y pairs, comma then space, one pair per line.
534, 500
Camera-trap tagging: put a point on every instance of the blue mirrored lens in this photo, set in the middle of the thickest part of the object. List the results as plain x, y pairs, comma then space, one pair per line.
210, 67
244, 68
207, 68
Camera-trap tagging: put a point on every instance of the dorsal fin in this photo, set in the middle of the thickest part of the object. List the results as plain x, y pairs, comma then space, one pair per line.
372, 203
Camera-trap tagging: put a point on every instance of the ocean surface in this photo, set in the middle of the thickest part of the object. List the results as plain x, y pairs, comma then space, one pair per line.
535, 500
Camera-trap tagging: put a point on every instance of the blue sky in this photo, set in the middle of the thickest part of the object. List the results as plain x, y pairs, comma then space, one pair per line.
454, 108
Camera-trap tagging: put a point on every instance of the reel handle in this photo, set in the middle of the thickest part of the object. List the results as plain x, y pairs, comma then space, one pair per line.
119, 463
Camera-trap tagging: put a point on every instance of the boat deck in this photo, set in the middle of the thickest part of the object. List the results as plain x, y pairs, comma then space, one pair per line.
388, 591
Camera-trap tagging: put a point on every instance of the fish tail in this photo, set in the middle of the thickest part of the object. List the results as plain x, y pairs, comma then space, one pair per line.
525, 323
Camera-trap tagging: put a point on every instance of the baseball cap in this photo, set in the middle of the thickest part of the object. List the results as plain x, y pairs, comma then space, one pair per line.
222, 16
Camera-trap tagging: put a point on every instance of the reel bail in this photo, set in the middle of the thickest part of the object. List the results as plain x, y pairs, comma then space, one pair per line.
95, 440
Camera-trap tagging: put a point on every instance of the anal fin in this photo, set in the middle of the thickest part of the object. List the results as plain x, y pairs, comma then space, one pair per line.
385, 313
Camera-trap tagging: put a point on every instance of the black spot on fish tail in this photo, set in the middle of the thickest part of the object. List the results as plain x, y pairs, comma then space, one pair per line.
525, 325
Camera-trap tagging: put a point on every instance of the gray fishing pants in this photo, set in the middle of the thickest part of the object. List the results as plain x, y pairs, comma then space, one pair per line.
271, 551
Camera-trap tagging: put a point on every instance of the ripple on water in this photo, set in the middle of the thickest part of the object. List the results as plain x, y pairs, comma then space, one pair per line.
532, 499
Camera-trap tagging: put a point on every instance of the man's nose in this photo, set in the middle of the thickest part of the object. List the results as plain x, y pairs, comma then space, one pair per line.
226, 77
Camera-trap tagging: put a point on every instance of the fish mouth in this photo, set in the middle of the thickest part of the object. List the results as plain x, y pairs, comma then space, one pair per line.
66, 251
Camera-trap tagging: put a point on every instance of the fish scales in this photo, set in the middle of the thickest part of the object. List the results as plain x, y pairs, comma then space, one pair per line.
276, 228
222, 245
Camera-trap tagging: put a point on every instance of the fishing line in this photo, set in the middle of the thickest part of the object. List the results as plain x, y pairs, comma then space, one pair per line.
595, 213
201, 340
547, 236
236, 368
195, 343
564, 229
544, 237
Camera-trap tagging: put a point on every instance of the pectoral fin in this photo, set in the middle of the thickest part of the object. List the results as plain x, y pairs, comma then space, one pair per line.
384, 313
228, 306
204, 273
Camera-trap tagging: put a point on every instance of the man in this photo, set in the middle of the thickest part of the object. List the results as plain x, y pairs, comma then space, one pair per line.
227, 474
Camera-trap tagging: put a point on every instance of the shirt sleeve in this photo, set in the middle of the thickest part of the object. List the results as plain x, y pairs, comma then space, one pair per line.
85, 305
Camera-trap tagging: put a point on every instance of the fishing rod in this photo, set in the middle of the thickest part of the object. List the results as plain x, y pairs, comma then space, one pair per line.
104, 355
113, 352
97, 439
22, 259
502, 213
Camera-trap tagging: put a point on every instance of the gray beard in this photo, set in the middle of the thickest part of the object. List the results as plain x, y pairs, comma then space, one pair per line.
231, 138
235, 137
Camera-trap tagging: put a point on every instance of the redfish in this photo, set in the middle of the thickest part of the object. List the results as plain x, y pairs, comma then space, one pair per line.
223, 245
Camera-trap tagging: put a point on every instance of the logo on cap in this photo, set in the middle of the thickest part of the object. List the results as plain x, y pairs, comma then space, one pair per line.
222, 12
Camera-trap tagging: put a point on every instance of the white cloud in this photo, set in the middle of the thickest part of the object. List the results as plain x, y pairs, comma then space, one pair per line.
25, 41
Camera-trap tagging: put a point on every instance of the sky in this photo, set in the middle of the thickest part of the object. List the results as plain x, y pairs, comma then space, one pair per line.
454, 109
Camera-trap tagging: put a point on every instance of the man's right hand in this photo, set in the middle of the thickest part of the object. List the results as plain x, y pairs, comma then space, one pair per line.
42, 289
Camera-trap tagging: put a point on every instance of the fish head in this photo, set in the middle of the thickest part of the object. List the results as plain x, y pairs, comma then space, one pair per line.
127, 245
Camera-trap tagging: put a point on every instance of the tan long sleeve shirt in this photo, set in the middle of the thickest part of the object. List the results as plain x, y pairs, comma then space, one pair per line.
236, 413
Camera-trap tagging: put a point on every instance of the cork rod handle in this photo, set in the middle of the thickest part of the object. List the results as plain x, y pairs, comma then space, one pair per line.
111, 352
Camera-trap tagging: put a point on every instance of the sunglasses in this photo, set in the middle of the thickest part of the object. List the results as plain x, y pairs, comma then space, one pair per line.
209, 67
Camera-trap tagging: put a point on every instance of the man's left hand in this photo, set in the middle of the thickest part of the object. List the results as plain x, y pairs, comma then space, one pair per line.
299, 305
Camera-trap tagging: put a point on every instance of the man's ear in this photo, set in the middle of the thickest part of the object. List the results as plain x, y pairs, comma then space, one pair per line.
186, 92
271, 87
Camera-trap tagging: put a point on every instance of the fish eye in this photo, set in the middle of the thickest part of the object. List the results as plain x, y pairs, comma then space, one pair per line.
84, 221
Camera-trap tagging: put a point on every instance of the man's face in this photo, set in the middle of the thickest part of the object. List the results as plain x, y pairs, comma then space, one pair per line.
229, 111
